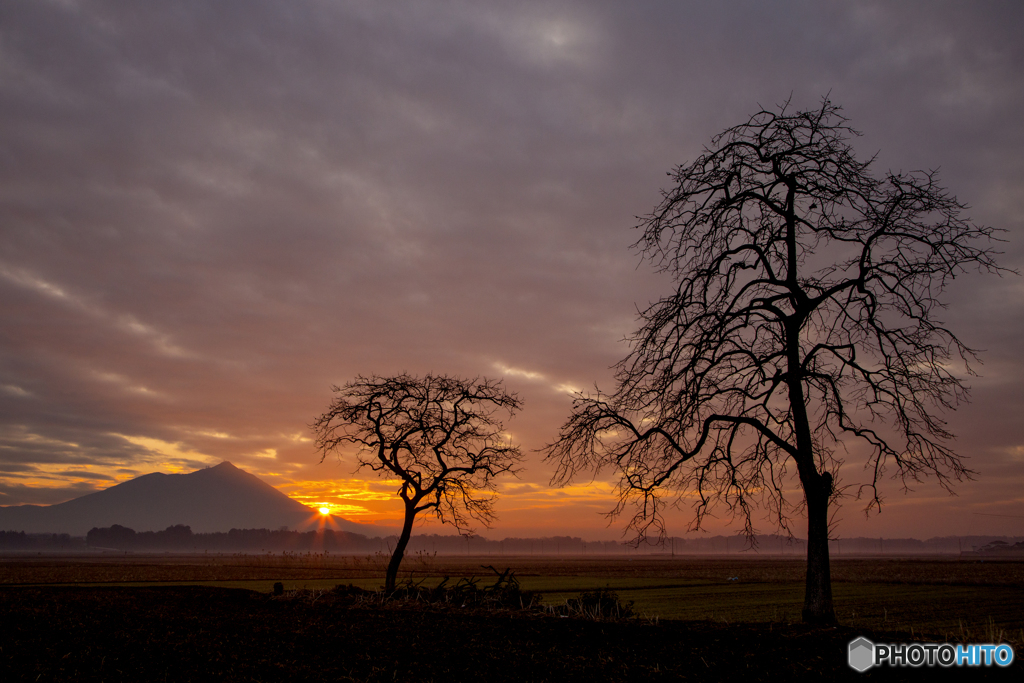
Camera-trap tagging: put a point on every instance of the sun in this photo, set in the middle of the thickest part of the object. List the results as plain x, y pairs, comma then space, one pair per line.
325, 511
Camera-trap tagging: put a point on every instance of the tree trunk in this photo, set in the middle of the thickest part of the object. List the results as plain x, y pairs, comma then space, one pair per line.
399, 551
818, 608
817, 492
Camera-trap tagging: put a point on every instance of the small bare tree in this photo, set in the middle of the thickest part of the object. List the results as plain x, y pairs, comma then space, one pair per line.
803, 321
439, 435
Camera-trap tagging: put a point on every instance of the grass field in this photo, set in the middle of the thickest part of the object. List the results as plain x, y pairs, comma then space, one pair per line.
934, 598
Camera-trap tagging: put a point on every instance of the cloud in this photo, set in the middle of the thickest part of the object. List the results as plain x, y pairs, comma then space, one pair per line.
214, 212
532, 376
20, 494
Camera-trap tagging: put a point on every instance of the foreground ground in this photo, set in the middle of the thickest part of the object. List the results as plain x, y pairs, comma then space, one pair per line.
198, 633
126, 620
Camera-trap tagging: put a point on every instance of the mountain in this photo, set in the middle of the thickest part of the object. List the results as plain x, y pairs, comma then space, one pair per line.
213, 499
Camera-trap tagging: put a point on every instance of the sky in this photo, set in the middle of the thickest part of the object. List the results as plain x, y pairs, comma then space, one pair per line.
210, 213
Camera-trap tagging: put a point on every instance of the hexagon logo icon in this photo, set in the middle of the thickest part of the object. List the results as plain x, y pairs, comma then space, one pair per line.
861, 654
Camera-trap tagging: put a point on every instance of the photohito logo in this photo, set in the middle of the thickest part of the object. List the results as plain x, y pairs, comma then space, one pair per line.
863, 654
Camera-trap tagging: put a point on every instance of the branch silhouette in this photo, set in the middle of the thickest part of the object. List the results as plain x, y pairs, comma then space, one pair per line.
803, 319
439, 435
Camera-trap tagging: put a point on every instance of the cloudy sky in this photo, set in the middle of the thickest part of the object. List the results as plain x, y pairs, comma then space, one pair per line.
210, 212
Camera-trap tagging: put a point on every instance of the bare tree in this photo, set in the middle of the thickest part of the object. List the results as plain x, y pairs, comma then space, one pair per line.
439, 435
803, 321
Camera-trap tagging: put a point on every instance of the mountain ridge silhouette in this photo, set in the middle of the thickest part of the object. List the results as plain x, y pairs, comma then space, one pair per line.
212, 499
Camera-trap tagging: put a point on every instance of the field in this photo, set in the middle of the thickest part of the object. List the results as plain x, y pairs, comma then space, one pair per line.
698, 618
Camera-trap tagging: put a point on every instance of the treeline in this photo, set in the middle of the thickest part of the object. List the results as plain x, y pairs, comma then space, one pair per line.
19, 540
180, 537
479, 545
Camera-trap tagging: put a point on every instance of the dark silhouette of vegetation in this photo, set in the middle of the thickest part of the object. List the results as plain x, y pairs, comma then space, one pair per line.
19, 540
439, 435
598, 605
505, 593
803, 323
181, 538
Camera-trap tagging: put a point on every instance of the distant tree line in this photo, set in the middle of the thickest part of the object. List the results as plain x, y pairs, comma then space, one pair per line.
19, 540
180, 537
479, 545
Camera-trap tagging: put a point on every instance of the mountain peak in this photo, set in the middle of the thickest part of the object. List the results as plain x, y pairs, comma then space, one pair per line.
216, 498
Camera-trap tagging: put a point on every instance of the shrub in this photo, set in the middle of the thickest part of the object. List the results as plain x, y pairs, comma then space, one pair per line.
598, 605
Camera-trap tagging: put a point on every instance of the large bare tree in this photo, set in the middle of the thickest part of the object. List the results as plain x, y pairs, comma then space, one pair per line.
803, 325
439, 435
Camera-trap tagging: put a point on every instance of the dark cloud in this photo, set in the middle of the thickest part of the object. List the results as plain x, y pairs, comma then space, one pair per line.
213, 211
